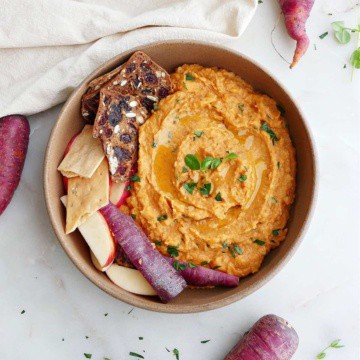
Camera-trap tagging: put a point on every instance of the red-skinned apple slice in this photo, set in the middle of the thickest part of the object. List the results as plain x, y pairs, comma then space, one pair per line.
97, 264
97, 235
119, 192
68, 146
130, 280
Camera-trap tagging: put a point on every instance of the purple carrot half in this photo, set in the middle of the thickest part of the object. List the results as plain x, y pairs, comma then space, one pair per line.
201, 276
156, 270
14, 140
270, 338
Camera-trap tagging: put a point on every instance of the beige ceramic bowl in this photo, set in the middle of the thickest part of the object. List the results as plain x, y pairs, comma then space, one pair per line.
170, 55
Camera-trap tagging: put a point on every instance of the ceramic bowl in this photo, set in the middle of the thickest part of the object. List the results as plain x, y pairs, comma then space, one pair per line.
170, 55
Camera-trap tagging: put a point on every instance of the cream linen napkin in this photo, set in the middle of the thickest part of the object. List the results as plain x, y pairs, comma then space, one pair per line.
47, 47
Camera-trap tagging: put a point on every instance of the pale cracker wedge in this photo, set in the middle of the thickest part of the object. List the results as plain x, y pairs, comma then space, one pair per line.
84, 156
85, 196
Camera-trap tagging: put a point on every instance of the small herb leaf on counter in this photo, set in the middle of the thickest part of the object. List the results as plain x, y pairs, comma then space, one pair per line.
88, 356
324, 35
334, 345
136, 355
176, 354
204, 341
192, 162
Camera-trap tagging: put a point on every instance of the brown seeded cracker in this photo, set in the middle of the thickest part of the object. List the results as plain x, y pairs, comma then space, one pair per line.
126, 101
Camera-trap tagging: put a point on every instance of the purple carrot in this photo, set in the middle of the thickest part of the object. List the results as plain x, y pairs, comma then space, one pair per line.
156, 270
14, 140
201, 276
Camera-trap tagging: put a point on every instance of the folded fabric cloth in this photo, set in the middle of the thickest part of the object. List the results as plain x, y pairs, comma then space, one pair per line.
48, 47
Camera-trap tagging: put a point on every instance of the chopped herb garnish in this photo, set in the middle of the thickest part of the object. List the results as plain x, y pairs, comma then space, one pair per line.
105, 358
191, 265
154, 144
133, 216
86, 337
176, 265
23, 312
182, 267
156, 107
206, 163
88, 356
224, 245
128, 188
185, 86
106, 314
324, 35
232, 252
130, 311
185, 170
273, 200
276, 232
136, 355
205, 189
241, 107
215, 267
278, 164
198, 133
167, 349
237, 249
218, 197
266, 128
135, 178
141, 338
259, 242
260, 1
242, 178
334, 345
190, 187
204, 341
172, 250
176, 354
192, 162
230, 156
158, 242
188, 77
203, 263
162, 218
215, 163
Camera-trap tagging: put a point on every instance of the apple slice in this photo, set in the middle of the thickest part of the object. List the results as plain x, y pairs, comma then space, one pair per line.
97, 235
119, 192
130, 280
97, 264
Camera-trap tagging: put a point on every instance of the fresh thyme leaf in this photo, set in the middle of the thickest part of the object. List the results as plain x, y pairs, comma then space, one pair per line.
162, 218
237, 249
106, 314
273, 137
218, 197
88, 356
185, 170
158, 242
260, 1
278, 164
141, 338
338, 25
203, 263
190, 187
176, 265
334, 345
22, 312
355, 59
136, 355
206, 163
324, 35
224, 245
273, 200
189, 77
172, 250
192, 162
135, 178
320, 356
232, 252
204, 341
191, 265
205, 189
242, 178
230, 156
128, 188
176, 354
198, 133
105, 358
182, 267
259, 242
343, 36
276, 232
215, 163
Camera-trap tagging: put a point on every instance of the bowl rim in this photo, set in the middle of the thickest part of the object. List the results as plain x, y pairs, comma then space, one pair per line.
169, 308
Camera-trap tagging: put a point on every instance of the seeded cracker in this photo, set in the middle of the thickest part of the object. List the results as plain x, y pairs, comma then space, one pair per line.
125, 102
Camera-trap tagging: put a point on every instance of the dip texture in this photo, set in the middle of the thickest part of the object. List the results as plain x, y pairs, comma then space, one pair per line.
233, 210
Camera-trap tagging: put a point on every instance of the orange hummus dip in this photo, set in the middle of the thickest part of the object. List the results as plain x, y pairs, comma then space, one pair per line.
217, 172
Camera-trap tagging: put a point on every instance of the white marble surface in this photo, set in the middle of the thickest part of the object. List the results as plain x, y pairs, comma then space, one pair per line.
318, 291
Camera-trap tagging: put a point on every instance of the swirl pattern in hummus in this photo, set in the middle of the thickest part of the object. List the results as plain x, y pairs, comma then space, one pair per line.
213, 113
